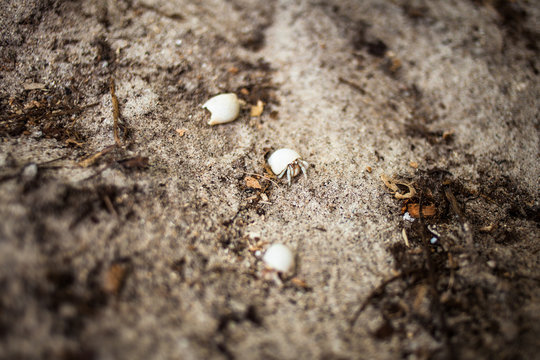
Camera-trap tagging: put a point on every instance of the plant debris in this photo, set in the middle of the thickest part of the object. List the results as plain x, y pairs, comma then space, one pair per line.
91, 160
49, 113
116, 112
257, 110
427, 211
393, 186
253, 183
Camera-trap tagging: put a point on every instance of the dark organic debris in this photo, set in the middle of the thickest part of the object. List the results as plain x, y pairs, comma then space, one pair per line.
49, 112
437, 284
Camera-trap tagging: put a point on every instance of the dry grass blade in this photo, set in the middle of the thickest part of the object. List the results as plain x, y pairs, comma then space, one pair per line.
116, 112
92, 159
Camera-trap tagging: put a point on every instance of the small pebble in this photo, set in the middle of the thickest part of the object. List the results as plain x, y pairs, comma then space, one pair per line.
30, 172
279, 258
408, 217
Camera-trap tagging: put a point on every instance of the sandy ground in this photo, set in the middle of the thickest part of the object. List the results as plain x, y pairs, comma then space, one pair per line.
149, 246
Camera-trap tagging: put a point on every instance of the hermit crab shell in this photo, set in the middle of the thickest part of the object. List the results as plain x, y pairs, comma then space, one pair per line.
280, 159
279, 258
224, 108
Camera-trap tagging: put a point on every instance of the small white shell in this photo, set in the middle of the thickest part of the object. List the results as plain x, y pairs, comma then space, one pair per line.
224, 108
279, 258
280, 159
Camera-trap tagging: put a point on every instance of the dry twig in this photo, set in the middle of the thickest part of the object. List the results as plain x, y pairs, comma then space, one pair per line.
116, 113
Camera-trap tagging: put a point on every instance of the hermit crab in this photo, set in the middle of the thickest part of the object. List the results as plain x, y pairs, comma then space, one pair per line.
287, 161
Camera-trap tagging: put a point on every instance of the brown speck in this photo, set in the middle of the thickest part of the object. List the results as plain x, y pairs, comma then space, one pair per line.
274, 114
395, 65
299, 283
447, 134
114, 277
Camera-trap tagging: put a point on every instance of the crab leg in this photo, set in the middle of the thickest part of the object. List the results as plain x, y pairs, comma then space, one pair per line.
303, 165
289, 170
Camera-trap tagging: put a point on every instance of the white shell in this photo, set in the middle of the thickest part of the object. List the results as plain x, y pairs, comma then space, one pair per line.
279, 258
224, 108
280, 159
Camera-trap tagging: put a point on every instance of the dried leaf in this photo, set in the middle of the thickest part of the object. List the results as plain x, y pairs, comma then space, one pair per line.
257, 110
427, 210
252, 183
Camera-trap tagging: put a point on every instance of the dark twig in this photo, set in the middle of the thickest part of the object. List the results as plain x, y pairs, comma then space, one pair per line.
354, 85
466, 228
116, 113
377, 291
453, 203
